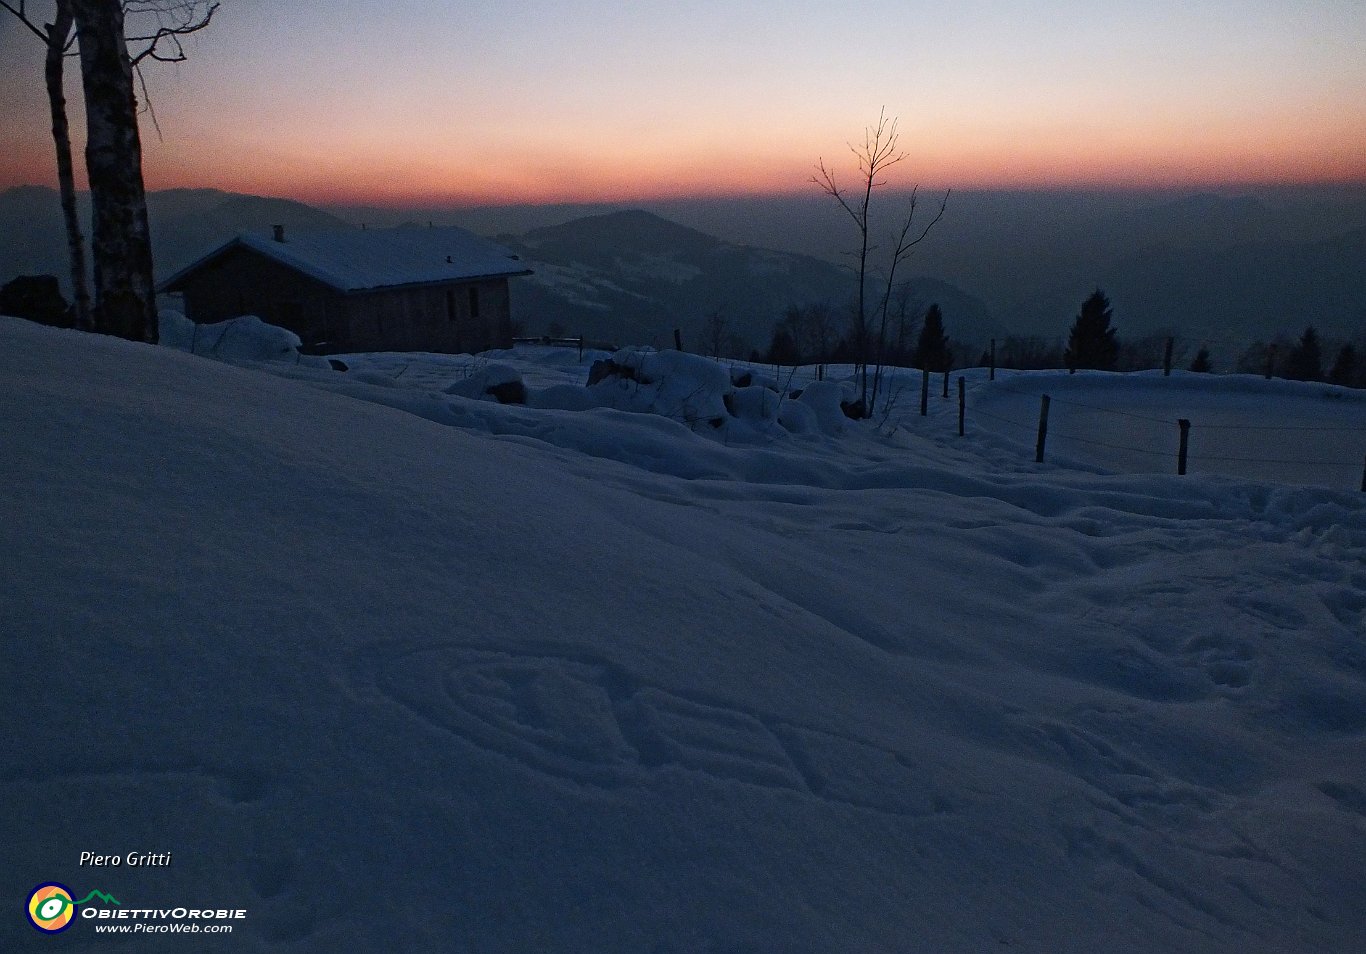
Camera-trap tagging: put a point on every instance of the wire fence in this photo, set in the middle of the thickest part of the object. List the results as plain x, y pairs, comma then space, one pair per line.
1332, 452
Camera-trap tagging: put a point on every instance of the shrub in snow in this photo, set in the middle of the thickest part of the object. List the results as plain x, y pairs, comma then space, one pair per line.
499, 382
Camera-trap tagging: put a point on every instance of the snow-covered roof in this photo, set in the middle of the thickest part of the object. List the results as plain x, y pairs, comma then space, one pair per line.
354, 260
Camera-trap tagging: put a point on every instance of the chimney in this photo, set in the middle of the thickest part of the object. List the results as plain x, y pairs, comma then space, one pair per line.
279, 232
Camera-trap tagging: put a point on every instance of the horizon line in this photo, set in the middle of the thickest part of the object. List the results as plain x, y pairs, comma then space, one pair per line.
1228, 188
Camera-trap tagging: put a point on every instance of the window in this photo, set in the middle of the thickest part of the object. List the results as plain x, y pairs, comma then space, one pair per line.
474, 302
451, 315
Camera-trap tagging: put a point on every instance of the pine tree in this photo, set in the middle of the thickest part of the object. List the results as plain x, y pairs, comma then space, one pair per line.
1344, 370
1092, 341
1305, 361
932, 349
782, 349
1202, 363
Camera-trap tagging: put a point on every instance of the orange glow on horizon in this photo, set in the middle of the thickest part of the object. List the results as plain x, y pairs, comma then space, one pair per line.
1034, 158
416, 183
415, 186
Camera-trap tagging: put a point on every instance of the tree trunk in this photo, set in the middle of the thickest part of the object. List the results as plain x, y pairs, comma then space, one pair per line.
125, 299
57, 34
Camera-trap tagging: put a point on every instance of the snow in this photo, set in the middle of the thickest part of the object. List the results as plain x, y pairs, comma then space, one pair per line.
245, 338
1241, 425
395, 668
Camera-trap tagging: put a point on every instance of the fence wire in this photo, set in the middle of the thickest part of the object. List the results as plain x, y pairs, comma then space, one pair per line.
1196, 427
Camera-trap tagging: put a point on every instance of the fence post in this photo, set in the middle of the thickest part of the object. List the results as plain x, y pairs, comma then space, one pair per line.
991, 375
1043, 430
946, 382
580, 347
1167, 359
1363, 476
678, 340
1270, 360
963, 403
924, 392
1185, 426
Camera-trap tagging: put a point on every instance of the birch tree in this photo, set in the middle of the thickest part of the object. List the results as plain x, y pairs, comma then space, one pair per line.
158, 26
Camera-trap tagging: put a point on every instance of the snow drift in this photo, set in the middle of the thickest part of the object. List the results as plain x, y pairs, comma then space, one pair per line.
393, 669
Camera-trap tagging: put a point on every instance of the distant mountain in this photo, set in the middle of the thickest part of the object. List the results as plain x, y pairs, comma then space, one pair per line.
185, 224
1241, 266
635, 276
1032, 256
1248, 290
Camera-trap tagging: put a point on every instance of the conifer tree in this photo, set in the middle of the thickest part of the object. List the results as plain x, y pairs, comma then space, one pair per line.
1092, 342
1344, 369
1305, 361
932, 349
1202, 363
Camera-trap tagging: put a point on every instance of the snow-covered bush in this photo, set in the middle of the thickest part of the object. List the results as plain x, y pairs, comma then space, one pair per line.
685, 387
246, 338
738, 403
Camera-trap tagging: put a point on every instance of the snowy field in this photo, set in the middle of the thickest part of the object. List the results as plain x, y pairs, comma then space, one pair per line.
392, 667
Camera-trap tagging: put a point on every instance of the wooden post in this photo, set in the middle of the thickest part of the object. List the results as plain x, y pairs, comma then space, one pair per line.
1363, 476
1167, 359
1185, 426
1043, 430
991, 375
946, 382
580, 347
678, 340
963, 404
1270, 360
924, 392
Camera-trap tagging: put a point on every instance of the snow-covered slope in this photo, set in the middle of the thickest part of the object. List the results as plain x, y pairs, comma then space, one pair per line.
389, 683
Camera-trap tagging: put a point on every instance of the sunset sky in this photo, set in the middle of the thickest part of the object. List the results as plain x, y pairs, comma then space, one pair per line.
420, 101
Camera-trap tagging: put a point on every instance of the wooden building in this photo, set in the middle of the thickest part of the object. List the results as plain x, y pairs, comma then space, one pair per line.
340, 290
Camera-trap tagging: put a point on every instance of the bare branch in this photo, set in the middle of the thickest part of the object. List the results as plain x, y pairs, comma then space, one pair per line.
22, 15
147, 101
825, 180
186, 24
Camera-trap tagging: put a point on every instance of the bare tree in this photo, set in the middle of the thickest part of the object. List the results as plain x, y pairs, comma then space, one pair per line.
158, 22
57, 37
904, 245
714, 334
875, 156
